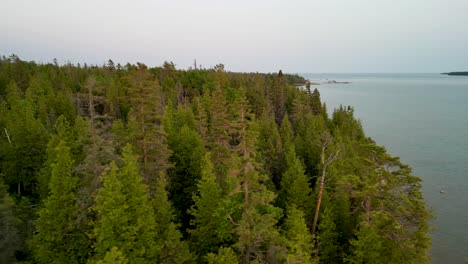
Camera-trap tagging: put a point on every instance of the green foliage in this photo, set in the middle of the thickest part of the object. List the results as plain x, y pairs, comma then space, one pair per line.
188, 151
58, 237
295, 188
299, 244
329, 249
125, 213
61, 126
114, 256
224, 256
10, 237
368, 246
22, 150
210, 225
168, 237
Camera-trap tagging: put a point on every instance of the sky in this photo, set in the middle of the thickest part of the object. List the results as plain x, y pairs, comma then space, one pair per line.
346, 36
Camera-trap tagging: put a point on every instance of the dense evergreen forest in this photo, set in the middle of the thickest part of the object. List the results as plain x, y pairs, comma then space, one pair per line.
131, 164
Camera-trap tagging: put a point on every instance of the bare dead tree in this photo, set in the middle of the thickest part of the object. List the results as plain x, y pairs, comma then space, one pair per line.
326, 159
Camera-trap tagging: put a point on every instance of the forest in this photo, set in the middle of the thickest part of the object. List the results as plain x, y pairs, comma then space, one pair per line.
128, 164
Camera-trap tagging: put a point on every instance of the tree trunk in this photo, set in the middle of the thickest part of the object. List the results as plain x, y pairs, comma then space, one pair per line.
320, 194
325, 140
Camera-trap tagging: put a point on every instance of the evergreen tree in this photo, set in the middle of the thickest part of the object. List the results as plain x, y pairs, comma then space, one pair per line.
210, 225
114, 256
22, 150
315, 103
286, 132
187, 154
224, 256
145, 124
58, 238
367, 248
270, 149
168, 237
258, 237
298, 239
295, 188
328, 246
124, 214
219, 127
9, 234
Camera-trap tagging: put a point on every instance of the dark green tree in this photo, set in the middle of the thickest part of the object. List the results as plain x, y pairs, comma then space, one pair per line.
187, 155
168, 237
58, 238
9, 238
315, 103
295, 189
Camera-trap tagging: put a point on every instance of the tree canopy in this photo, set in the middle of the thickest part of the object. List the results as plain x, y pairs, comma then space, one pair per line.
136, 164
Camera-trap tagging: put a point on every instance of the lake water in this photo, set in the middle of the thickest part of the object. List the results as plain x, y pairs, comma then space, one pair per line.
423, 119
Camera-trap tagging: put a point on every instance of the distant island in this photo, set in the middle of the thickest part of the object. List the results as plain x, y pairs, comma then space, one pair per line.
465, 73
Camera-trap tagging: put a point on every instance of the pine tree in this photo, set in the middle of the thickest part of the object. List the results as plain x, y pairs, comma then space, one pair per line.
258, 237
218, 134
145, 124
58, 238
124, 214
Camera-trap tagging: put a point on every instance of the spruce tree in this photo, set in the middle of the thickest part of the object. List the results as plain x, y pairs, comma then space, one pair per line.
187, 154
295, 189
58, 238
224, 256
315, 102
210, 225
125, 218
168, 237
9, 238
299, 244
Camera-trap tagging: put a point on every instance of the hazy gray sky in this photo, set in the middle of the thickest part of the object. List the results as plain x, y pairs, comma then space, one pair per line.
245, 35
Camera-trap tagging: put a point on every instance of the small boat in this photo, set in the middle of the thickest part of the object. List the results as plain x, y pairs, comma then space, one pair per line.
442, 191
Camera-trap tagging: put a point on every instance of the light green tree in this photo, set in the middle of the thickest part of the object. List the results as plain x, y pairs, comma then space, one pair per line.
210, 225
299, 244
125, 218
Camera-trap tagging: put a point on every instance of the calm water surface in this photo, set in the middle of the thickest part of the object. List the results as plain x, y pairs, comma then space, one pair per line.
423, 119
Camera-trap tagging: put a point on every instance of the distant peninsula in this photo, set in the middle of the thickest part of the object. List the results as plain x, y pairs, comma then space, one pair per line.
465, 73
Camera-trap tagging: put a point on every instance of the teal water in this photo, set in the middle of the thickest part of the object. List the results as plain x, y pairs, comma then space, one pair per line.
423, 119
